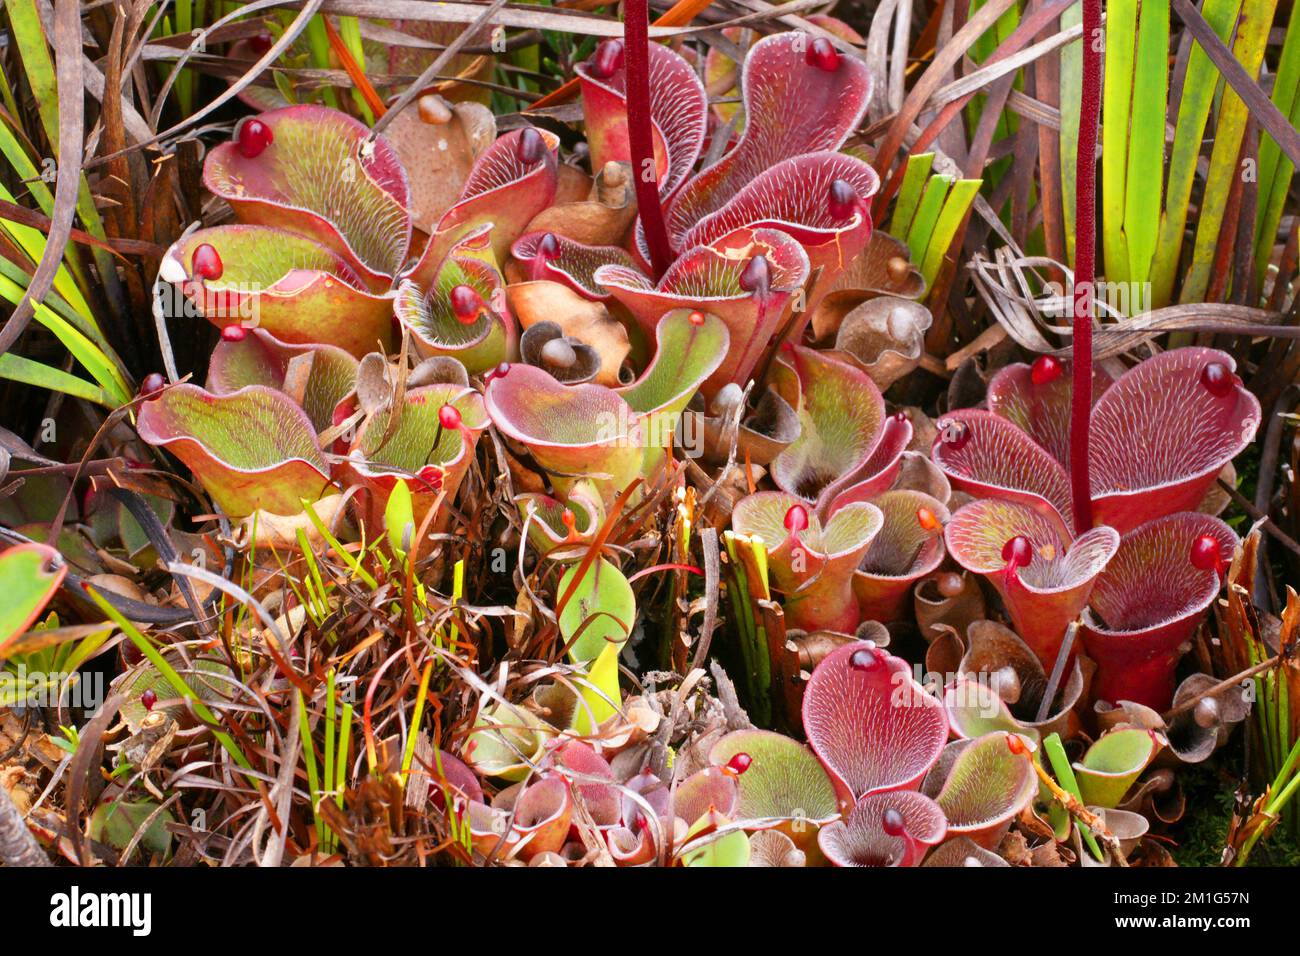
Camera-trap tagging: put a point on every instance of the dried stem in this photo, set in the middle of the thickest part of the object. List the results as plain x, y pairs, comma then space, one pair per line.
1226, 684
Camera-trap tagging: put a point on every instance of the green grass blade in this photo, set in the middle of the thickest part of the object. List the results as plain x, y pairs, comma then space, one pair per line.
28, 38
174, 679
32, 242
100, 366
350, 34
185, 81
26, 172
909, 193
927, 215
24, 168
318, 43
347, 557
1275, 169
330, 728
19, 369
955, 207
1117, 102
345, 746
980, 51
7, 95
417, 716
309, 759
19, 276
1064, 773
1146, 147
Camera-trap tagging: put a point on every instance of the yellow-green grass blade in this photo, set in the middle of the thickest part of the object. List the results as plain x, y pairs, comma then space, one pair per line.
32, 179
347, 556
953, 214
185, 81
177, 683
909, 193
1275, 169
32, 242
7, 94
13, 283
100, 366
350, 34
24, 168
1117, 102
19, 369
1201, 80
318, 43
1252, 38
87, 327
344, 749
1146, 148
927, 214
309, 762
28, 38
408, 754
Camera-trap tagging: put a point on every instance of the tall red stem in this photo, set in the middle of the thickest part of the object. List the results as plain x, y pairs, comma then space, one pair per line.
640, 135
1085, 265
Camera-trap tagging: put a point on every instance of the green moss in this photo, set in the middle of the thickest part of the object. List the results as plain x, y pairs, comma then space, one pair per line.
1201, 833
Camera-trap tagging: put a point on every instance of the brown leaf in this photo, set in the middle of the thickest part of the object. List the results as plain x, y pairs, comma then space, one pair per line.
602, 218
84, 779
374, 383
947, 598
1046, 854
1290, 666
578, 318
438, 156
1015, 849
885, 337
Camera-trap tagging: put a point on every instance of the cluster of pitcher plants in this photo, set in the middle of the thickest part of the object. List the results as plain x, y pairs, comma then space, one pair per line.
939, 632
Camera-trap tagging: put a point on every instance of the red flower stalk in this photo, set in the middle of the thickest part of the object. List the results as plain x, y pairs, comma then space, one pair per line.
636, 41
1085, 267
